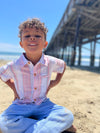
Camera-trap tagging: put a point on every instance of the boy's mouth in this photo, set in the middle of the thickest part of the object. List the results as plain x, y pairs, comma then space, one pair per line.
32, 44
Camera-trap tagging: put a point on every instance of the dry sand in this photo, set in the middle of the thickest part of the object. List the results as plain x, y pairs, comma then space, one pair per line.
79, 91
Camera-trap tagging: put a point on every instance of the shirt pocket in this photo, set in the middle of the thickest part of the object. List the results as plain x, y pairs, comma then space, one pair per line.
44, 72
44, 76
44, 80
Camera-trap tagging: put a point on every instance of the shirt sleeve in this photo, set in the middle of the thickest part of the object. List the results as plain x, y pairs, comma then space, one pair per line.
5, 73
58, 65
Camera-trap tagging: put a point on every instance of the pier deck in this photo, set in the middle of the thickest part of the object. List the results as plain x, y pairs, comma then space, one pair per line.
80, 25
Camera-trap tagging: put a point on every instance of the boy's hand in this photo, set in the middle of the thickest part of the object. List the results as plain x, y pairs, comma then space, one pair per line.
57, 80
52, 84
10, 83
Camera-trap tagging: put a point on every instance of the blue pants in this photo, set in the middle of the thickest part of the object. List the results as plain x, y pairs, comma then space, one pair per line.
31, 118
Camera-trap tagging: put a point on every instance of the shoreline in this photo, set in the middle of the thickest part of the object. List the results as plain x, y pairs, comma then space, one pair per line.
85, 60
87, 68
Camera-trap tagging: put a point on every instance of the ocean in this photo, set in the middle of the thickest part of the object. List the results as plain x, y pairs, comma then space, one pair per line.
86, 61
13, 56
9, 56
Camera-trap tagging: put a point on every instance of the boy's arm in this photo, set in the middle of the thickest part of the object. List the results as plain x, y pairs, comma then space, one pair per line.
10, 83
57, 79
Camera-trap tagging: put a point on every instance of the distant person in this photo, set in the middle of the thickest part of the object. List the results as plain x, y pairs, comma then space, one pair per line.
32, 111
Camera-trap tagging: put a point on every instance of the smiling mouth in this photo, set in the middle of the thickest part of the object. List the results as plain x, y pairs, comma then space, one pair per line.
32, 44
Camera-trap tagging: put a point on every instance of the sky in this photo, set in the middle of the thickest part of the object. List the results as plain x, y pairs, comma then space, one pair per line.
14, 12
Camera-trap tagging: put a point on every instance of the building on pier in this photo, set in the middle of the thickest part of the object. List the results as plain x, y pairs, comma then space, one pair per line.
79, 26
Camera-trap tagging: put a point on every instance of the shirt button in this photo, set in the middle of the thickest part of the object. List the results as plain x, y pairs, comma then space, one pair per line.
28, 62
34, 74
34, 99
35, 88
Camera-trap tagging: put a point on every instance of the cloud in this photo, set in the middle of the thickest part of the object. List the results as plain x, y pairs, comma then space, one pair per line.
6, 47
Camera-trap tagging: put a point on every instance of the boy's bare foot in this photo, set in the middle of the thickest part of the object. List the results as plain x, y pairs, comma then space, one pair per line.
72, 129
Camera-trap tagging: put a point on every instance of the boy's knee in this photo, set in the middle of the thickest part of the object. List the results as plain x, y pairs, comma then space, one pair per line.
66, 114
69, 116
2, 125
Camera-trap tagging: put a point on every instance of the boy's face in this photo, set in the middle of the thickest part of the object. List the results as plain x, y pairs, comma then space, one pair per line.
33, 41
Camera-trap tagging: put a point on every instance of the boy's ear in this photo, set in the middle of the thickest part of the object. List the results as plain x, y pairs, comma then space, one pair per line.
21, 44
45, 45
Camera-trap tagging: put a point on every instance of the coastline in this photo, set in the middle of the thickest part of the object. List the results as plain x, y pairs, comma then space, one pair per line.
79, 91
4, 55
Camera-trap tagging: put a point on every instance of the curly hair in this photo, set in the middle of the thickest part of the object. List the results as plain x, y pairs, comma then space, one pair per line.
30, 23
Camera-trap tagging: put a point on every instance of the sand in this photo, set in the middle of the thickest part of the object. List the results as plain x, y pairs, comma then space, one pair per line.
79, 91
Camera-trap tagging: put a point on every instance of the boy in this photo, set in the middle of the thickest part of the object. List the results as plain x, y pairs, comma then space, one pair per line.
32, 111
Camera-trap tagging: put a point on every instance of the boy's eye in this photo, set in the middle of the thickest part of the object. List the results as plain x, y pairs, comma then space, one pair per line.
27, 36
37, 36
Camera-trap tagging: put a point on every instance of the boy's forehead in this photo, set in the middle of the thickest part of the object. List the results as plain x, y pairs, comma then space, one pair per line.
27, 30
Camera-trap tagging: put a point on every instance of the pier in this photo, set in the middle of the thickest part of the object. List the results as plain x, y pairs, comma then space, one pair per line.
79, 26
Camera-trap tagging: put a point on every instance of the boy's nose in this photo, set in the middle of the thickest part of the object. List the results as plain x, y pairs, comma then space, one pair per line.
32, 38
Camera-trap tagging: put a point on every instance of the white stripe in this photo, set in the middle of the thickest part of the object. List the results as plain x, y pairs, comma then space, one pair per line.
43, 86
32, 81
44, 75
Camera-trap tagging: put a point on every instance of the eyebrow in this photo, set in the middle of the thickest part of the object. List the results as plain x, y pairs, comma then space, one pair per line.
29, 31
26, 31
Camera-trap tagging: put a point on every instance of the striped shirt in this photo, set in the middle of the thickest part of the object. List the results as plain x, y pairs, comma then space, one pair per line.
31, 81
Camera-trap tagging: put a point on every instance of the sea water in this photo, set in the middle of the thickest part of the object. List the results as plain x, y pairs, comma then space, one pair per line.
85, 61
9, 56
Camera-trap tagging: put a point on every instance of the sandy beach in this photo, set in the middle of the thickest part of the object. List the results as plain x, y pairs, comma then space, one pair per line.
79, 91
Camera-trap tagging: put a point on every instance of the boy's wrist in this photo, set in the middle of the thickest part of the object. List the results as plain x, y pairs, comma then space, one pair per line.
53, 83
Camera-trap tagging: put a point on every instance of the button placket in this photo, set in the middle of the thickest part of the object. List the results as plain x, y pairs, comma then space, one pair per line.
34, 73
35, 84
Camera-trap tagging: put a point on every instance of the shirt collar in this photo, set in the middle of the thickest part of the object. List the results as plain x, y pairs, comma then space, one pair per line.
22, 61
43, 60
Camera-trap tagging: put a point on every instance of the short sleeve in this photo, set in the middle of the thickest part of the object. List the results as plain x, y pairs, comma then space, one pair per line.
5, 73
58, 65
